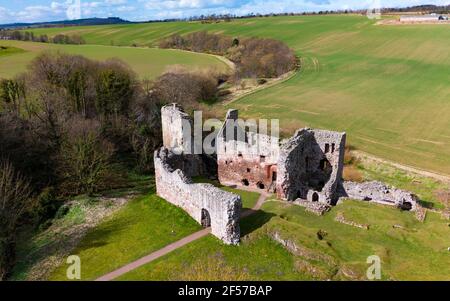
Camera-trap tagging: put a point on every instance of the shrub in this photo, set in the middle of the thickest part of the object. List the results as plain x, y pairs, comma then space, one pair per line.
11, 93
254, 57
47, 205
115, 88
85, 156
186, 88
261, 81
351, 173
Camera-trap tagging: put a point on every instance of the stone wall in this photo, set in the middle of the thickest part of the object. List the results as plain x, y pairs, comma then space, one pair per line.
310, 166
243, 157
378, 192
207, 204
174, 131
307, 166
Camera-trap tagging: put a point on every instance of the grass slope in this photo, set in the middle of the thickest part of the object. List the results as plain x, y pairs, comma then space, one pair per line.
5, 50
409, 251
386, 86
148, 63
145, 225
338, 256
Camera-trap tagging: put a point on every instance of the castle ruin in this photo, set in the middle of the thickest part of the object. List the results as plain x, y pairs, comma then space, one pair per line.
306, 168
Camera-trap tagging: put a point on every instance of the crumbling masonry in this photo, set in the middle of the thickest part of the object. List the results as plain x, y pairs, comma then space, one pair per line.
306, 168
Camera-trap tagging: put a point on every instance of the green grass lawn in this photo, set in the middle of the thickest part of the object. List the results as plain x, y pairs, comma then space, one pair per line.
148, 63
248, 198
409, 251
6, 50
417, 252
145, 225
386, 86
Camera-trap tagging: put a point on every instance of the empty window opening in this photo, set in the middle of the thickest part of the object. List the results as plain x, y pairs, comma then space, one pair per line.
333, 147
245, 182
226, 162
327, 148
249, 170
260, 185
206, 219
274, 176
240, 155
315, 197
298, 195
323, 164
262, 159
407, 206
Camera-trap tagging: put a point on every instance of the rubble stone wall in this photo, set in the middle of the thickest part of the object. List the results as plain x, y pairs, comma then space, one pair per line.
245, 158
310, 166
204, 202
378, 192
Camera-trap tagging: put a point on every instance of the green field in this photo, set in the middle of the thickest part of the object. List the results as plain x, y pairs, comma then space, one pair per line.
337, 256
410, 251
146, 224
147, 62
388, 87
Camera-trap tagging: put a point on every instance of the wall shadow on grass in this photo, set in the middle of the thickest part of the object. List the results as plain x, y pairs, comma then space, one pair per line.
255, 221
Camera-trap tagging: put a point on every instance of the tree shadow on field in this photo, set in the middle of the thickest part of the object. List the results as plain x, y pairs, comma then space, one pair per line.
99, 237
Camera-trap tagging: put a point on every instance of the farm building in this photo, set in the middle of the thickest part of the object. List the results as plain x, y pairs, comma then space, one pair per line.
423, 18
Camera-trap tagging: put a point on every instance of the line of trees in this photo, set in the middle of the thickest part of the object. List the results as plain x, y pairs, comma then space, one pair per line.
67, 121
254, 57
62, 126
30, 36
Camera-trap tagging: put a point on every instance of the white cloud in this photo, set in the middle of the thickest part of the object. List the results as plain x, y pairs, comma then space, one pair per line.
161, 9
125, 8
115, 2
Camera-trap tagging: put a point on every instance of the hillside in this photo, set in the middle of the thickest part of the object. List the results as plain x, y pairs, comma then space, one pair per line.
147, 63
386, 86
79, 22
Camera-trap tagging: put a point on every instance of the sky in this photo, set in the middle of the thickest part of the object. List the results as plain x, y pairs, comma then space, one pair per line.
12, 11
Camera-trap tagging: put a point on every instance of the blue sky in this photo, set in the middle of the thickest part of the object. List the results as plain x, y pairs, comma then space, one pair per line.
141, 10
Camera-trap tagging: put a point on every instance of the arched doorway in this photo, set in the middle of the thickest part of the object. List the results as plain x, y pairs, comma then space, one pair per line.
315, 197
206, 219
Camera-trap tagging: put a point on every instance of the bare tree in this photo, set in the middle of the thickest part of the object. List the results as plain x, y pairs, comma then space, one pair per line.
15, 199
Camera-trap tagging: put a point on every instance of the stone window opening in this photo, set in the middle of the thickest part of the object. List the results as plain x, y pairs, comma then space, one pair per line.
206, 219
245, 182
315, 197
333, 147
274, 176
298, 195
327, 148
323, 164
262, 159
240, 155
249, 170
260, 185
